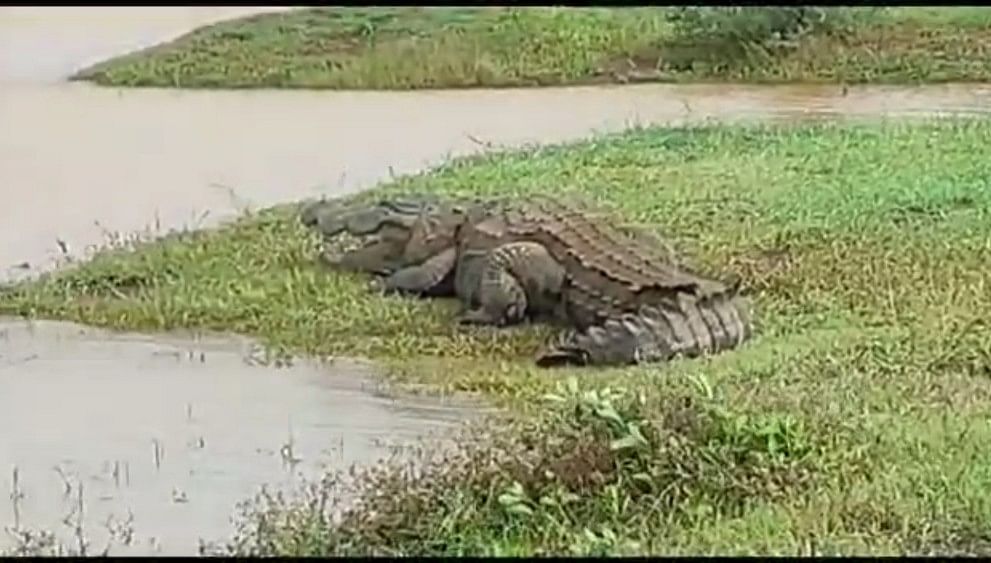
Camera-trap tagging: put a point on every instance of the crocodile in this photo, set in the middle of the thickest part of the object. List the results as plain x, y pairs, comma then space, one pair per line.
624, 299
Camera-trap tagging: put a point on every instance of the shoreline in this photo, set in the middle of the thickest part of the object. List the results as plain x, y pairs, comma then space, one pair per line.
379, 48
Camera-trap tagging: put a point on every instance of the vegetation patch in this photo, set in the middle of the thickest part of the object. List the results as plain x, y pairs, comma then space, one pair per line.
854, 423
403, 48
608, 469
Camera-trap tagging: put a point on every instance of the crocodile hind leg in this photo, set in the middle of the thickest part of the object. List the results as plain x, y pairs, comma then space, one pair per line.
687, 326
517, 279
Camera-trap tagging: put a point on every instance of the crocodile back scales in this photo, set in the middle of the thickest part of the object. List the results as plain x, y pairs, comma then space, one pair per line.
617, 278
609, 271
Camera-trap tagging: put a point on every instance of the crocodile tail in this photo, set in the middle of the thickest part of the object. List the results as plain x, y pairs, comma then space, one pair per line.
688, 326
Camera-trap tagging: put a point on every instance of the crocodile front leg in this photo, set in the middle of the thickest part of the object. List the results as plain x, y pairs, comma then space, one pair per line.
516, 280
431, 277
686, 326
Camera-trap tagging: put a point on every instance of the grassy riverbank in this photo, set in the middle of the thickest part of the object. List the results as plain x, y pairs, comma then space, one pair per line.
400, 48
855, 423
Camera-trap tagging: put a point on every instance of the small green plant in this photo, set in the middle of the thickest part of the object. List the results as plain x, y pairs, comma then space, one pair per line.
749, 25
582, 478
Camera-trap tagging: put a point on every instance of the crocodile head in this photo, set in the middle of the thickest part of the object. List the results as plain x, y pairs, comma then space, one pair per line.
395, 232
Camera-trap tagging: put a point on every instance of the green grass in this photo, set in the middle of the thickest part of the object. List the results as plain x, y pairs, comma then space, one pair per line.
401, 48
855, 423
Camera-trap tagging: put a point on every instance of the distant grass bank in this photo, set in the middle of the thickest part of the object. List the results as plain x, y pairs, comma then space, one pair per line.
403, 48
855, 423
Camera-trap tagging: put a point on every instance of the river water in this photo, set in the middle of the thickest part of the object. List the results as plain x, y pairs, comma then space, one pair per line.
175, 430
77, 162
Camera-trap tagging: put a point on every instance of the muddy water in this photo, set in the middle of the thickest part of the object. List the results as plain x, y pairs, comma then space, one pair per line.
177, 430
77, 161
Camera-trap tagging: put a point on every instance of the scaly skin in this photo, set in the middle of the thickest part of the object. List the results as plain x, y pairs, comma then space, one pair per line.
509, 283
609, 271
686, 325
389, 227
385, 230
625, 299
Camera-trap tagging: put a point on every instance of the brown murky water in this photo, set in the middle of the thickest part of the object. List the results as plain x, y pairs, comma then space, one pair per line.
177, 430
77, 161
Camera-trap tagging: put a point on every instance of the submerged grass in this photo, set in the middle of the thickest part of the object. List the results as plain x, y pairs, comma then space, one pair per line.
402, 48
855, 423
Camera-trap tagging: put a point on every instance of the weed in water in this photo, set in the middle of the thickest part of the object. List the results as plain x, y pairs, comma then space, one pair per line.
29, 542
